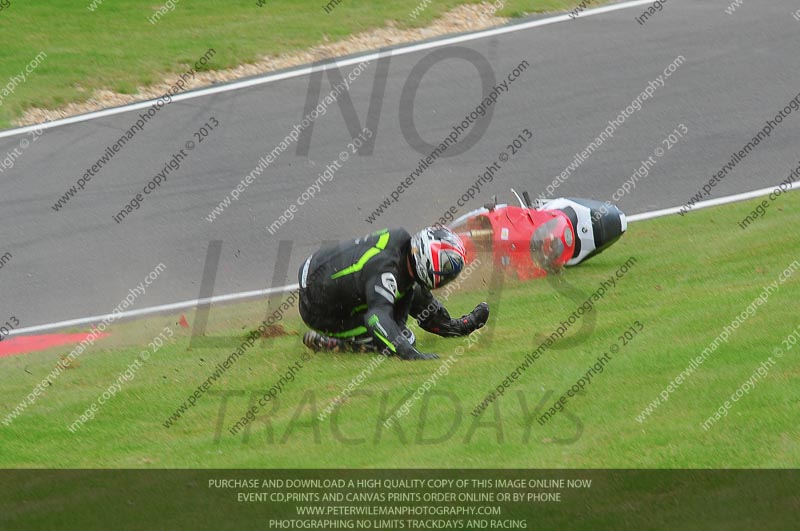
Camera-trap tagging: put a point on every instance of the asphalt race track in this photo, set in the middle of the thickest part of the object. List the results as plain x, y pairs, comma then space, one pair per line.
739, 71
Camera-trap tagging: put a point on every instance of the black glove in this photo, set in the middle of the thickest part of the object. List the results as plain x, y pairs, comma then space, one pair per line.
440, 323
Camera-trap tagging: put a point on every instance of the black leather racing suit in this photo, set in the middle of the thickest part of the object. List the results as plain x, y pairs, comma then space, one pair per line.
363, 288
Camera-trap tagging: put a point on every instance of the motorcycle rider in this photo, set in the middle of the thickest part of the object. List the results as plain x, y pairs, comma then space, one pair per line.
357, 296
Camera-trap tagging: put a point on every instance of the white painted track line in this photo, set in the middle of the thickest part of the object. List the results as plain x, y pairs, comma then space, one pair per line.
710, 203
142, 312
305, 70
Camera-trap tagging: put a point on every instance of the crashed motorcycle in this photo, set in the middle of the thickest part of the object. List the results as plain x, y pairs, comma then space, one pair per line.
541, 237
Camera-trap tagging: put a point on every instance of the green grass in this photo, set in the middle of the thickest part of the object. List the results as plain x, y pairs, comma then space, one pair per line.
115, 47
693, 275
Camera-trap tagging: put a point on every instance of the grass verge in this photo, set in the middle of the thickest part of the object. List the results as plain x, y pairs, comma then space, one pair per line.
95, 44
692, 276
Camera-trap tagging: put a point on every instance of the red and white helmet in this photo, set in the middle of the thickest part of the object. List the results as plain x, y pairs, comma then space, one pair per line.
439, 256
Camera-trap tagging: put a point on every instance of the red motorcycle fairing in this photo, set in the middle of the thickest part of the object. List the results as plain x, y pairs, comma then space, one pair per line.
529, 242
